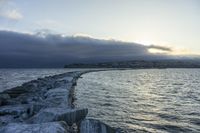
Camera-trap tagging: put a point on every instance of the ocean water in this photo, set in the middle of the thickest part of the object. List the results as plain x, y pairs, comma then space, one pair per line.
150, 100
13, 77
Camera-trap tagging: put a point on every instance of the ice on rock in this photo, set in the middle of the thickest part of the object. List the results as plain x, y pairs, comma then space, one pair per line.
95, 126
51, 127
70, 116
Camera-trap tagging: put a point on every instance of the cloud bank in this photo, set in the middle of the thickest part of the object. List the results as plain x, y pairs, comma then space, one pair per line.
162, 48
56, 50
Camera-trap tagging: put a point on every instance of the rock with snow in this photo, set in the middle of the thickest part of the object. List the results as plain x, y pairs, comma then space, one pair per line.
57, 92
3, 98
14, 109
70, 116
52, 127
95, 126
5, 119
38, 106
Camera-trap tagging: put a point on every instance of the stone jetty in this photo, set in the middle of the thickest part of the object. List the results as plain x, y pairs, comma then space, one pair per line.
46, 105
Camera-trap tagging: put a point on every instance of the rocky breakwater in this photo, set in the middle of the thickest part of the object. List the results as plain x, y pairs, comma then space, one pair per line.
46, 105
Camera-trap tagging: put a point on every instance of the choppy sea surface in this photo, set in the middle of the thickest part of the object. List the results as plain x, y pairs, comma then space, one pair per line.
150, 100
13, 77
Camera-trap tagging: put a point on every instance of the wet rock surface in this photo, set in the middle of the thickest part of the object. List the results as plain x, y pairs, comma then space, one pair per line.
51, 127
95, 126
70, 116
38, 106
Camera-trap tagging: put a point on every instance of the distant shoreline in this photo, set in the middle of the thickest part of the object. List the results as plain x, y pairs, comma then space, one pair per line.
140, 64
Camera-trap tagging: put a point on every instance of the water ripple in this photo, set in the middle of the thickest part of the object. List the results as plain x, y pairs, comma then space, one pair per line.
153, 100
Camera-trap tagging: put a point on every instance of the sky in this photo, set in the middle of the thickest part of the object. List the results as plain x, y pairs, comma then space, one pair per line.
173, 24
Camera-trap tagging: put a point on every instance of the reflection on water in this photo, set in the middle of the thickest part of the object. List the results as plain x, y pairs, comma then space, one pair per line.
166, 100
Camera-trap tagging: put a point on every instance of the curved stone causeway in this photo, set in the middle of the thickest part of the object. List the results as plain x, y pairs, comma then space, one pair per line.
46, 105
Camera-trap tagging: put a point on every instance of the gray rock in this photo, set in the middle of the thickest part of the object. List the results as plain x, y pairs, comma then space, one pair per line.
52, 127
3, 98
36, 107
57, 97
28, 98
14, 109
95, 126
67, 78
10, 102
15, 92
59, 83
56, 102
4, 120
57, 93
28, 108
70, 116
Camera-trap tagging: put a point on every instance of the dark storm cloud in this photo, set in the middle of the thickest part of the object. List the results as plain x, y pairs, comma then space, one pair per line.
55, 50
160, 48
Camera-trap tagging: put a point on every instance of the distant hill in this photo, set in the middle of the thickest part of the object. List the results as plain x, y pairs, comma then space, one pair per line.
140, 64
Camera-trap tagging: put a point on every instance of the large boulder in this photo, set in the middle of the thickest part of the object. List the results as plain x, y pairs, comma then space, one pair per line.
95, 126
15, 92
5, 119
59, 102
57, 97
14, 109
70, 116
3, 98
52, 127
28, 98
68, 78
58, 92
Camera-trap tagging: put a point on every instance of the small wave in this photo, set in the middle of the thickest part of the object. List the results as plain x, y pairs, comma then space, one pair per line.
169, 117
171, 128
106, 104
178, 84
160, 101
195, 121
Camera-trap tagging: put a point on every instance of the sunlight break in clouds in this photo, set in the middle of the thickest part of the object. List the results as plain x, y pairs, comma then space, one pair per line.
156, 49
183, 51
